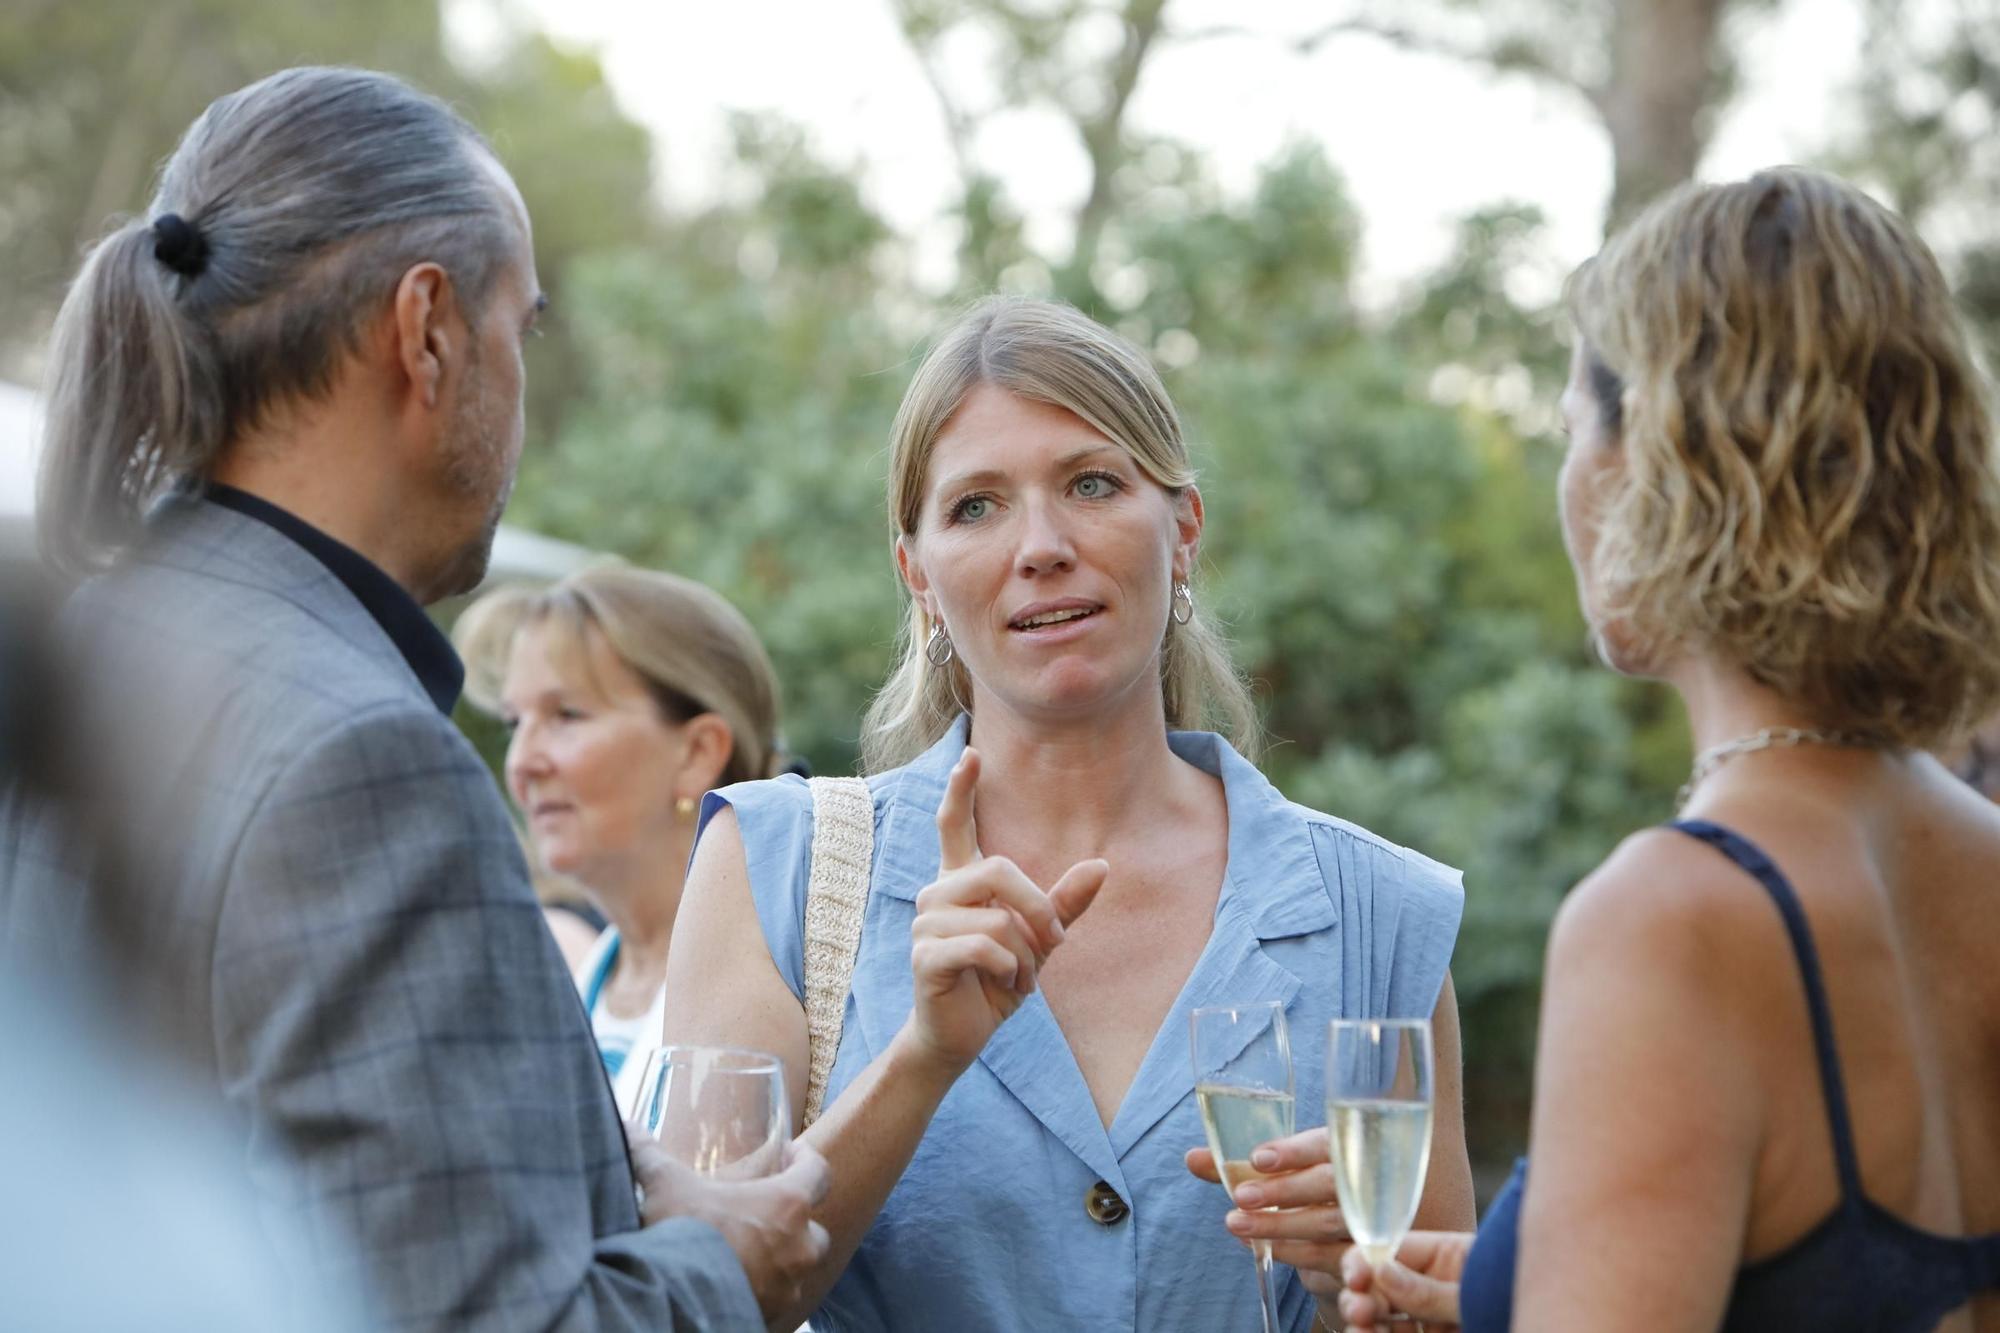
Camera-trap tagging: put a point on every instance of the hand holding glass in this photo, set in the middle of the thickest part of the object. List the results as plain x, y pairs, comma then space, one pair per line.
1378, 1115
1243, 1087
722, 1112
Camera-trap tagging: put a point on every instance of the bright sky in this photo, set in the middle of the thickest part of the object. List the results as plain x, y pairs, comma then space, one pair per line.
1422, 140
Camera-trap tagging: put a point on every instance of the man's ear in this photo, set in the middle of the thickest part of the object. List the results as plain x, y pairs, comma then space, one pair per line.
709, 743
914, 578
429, 330
1188, 518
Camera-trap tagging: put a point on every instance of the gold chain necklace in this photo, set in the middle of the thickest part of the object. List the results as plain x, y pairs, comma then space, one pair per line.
1770, 738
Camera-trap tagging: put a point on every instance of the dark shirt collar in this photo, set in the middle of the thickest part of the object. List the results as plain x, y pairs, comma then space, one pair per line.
422, 644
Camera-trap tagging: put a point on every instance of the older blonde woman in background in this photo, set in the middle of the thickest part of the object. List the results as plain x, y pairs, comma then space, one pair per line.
1012, 1095
626, 694
1768, 1089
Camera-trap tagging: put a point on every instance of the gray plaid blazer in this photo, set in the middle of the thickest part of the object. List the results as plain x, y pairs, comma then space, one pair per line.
346, 924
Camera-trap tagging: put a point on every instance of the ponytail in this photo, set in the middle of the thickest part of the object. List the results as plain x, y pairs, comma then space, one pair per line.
281, 225
132, 402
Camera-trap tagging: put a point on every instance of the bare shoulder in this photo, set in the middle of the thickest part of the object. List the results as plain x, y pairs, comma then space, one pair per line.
718, 853
1664, 905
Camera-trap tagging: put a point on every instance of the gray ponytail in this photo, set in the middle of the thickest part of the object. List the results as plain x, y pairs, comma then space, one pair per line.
311, 193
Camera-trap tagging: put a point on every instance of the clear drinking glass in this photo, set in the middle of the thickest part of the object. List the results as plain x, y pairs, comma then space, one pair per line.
1378, 1115
721, 1111
1243, 1087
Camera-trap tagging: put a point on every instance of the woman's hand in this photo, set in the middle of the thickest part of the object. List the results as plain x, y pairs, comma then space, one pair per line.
1310, 1234
1421, 1281
982, 931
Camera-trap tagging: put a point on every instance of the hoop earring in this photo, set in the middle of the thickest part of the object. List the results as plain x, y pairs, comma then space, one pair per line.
1182, 606
938, 649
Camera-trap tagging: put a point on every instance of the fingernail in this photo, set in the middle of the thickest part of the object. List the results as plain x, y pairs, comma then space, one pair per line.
1250, 1196
1263, 1159
1237, 1221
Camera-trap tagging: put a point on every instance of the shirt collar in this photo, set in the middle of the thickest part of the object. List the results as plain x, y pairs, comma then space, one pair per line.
1274, 877
422, 644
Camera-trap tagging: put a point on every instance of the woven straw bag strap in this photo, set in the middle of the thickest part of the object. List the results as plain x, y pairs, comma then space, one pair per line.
843, 854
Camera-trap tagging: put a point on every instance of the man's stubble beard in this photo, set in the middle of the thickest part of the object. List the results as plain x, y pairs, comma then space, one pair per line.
473, 454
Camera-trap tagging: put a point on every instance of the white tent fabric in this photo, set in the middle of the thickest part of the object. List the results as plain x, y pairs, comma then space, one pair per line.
517, 553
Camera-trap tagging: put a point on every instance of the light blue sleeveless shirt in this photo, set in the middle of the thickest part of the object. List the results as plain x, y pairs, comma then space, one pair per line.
990, 1228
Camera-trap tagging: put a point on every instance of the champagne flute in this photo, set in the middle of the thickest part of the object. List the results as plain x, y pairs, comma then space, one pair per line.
721, 1111
1378, 1115
1243, 1087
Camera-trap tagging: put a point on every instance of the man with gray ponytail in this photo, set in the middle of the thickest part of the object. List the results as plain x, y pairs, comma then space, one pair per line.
285, 412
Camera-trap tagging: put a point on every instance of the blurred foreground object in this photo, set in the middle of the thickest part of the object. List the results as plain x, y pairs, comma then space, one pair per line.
101, 1136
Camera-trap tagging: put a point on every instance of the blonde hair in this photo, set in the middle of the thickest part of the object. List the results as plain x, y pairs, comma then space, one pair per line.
1050, 353
1808, 482
694, 651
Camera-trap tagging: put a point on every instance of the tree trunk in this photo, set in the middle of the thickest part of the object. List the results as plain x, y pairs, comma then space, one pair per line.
1104, 137
1662, 79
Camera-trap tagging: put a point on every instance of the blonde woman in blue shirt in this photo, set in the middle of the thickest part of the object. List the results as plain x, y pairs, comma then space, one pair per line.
1061, 873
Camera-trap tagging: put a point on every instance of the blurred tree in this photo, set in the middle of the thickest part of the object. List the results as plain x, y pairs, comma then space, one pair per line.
740, 378
585, 170
1653, 72
1083, 58
1487, 346
94, 94
1925, 129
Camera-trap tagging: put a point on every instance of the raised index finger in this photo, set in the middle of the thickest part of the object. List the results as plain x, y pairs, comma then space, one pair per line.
958, 835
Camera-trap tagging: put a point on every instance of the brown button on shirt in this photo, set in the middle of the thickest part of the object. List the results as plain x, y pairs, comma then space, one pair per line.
1104, 1206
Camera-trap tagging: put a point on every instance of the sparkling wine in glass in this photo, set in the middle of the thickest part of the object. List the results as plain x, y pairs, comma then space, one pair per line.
1378, 1115
1243, 1088
721, 1111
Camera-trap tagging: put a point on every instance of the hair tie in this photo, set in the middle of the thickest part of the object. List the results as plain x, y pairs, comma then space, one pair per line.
798, 766
179, 246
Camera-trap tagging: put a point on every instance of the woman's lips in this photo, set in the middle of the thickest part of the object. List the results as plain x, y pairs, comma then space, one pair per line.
1058, 631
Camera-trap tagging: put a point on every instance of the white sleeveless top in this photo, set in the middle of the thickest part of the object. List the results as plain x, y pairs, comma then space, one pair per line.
622, 1043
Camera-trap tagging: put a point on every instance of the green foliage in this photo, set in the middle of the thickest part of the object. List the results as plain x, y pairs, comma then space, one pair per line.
740, 376
1465, 315
1269, 274
1927, 132
94, 94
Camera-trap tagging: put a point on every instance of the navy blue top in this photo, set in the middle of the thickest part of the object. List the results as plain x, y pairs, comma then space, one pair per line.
1861, 1269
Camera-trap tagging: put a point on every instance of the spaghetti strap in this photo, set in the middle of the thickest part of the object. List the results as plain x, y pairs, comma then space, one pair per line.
1751, 860
1861, 1269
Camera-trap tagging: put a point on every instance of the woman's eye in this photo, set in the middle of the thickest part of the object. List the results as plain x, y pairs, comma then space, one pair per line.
1095, 485
571, 714
972, 507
